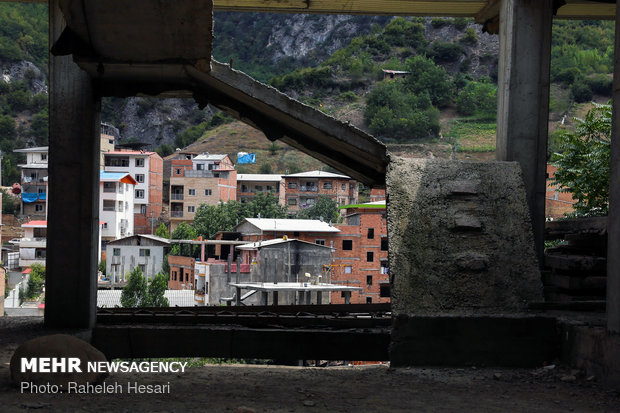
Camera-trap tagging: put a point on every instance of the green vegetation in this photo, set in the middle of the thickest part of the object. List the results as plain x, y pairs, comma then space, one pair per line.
583, 162
24, 32
325, 209
193, 133
478, 98
139, 293
34, 288
162, 231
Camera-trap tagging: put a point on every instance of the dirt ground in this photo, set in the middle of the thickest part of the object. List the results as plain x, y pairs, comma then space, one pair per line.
379, 388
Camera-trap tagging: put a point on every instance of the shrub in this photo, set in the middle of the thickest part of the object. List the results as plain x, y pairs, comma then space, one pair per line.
460, 23
439, 22
427, 77
600, 84
581, 92
478, 98
446, 51
470, 37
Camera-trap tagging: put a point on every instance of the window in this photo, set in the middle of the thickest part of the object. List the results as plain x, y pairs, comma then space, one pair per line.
343, 187
327, 185
296, 233
368, 300
145, 252
105, 225
200, 167
268, 188
38, 207
292, 185
178, 171
369, 280
384, 267
191, 208
140, 193
108, 205
191, 191
140, 178
44, 157
384, 289
258, 188
142, 268
319, 241
116, 252
348, 269
347, 244
143, 209
370, 256
384, 244
139, 162
41, 190
292, 201
39, 253
208, 192
371, 233
120, 206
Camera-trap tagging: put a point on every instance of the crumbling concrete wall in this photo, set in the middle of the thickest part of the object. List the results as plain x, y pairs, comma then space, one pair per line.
460, 238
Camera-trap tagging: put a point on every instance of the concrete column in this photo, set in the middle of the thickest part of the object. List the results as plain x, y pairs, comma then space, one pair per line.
71, 279
523, 98
613, 218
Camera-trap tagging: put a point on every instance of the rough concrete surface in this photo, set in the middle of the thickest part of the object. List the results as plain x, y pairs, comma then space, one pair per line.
460, 238
226, 388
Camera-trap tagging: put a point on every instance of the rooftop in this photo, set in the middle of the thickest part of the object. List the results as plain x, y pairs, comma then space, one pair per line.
176, 298
39, 149
149, 236
210, 157
116, 177
259, 244
317, 174
259, 177
136, 153
375, 204
35, 224
294, 225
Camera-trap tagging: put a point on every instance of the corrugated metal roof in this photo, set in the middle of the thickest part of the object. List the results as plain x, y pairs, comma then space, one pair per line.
37, 149
317, 174
210, 157
35, 224
149, 236
116, 177
259, 177
176, 298
260, 244
295, 225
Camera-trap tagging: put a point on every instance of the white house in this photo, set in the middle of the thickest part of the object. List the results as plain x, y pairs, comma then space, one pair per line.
116, 203
32, 247
143, 250
34, 182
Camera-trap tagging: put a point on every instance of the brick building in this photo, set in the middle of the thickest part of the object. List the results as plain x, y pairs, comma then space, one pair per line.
181, 272
303, 189
249, 185
203, 179
147, 169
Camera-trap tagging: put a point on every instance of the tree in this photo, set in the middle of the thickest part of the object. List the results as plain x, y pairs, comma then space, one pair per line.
35, 281
266, 205
210, 219
583, 162
134, 292
138, 294
325, 208
427, 77
184, 231
101, 266
155, 292
162, 231
478, 98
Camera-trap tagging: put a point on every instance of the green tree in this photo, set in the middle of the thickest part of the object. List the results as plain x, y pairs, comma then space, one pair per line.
478, 98
583, 162
325, 208
184, 231
35, 281
101, 266
210, 219
134, 293
162, 231
155, 292
427, 77
266, 205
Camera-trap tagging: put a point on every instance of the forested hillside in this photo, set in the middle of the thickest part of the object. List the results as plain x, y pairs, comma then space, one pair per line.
334, 63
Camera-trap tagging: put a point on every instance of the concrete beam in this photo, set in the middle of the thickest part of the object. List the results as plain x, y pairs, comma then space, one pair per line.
613, 219
73, 216
523, 98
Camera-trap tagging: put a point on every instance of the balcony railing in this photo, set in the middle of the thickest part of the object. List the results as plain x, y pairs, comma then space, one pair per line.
176, 197
304, 188
109, 189
199, 174
176, 214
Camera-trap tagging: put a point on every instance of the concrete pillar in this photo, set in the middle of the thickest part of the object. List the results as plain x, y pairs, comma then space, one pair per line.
613, 219
523, 98
71, 279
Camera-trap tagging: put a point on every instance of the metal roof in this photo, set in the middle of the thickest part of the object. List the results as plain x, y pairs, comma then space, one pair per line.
317, 174
39, 149
259, 177
290, 225
176, 298
209, 157
149, 236
35, 224
116, 177
260, 244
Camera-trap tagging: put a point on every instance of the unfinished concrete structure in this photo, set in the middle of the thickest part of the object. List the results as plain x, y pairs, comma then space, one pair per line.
97, 37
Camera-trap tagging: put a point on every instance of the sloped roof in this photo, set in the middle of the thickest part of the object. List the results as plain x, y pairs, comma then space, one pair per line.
375, 204
290, 225
152, 237
317, 174
260, 244
116, 177
259, 177
39, 149
209, 157
35, 224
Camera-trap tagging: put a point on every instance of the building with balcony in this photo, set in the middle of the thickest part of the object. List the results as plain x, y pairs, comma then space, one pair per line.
249, 185
141, 250
303, 189
203, 179
116, 205
108, 136
146, 168
32, 247
34, 182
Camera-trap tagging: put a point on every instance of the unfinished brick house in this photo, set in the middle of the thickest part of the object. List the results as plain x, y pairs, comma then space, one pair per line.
303, 189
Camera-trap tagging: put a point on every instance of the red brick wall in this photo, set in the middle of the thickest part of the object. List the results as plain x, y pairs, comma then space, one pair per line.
181, 272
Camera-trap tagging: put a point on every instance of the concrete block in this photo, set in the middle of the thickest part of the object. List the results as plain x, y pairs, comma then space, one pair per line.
460, 255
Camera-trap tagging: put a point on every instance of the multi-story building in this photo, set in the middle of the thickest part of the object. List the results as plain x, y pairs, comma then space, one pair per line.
108, 137
303, 189
204, 179
249, 185
34, 182
116, 205
146, 168
361, 257
32, 247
